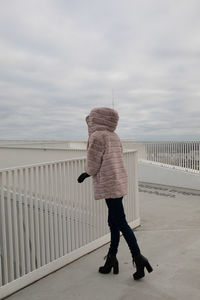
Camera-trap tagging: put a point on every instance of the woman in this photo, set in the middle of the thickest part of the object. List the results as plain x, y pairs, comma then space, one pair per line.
110, 181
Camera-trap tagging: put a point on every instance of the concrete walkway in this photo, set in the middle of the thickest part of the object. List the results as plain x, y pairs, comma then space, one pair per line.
169, 236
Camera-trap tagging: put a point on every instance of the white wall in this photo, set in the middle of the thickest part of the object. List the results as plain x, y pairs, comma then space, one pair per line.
166, 175
21, 153
14, 157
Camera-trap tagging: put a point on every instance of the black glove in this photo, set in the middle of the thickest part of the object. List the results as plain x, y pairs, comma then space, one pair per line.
82, 177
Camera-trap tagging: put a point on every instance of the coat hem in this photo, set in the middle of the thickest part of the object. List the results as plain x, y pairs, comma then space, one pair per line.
110, 196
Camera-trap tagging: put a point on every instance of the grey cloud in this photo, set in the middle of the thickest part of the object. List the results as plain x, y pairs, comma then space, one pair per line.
59, 59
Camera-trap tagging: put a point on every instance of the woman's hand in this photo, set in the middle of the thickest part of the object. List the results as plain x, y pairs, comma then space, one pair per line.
82, 177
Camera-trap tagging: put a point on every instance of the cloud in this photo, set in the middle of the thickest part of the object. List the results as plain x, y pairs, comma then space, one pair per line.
59, 59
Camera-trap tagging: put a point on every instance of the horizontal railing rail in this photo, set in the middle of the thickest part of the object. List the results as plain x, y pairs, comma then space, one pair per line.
48, 219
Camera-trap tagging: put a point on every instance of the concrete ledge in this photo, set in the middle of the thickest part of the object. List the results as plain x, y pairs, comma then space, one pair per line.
151, 172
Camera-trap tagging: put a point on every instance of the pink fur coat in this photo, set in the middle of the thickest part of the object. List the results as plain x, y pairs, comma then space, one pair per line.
105, 155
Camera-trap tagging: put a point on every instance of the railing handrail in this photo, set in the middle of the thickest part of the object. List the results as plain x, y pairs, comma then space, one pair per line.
42, 164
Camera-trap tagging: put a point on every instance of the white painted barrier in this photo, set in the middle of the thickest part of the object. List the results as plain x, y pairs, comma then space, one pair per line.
48, 219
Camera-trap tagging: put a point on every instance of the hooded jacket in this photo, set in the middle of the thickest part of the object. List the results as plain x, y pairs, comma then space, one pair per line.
105, 155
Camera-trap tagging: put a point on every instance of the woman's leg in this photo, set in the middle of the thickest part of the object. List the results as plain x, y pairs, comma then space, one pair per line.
117, 222
114, 231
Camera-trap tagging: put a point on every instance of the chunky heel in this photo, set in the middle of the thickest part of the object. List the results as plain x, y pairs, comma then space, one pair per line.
116, 268
111, 262
141, 263
149, 267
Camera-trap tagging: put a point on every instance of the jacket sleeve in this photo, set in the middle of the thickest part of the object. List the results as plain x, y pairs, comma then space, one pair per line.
94, 154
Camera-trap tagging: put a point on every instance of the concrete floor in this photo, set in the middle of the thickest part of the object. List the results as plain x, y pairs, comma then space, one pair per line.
169, 236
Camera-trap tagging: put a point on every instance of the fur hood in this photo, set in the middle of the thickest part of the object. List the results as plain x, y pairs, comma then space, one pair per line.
102, 118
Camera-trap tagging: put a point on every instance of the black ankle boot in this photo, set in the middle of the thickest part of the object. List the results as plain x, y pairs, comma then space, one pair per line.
141, 262
111, 262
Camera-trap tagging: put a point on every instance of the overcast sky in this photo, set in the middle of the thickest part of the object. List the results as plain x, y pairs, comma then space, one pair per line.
61, 58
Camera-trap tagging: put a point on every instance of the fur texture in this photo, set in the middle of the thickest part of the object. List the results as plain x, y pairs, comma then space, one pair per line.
105, 155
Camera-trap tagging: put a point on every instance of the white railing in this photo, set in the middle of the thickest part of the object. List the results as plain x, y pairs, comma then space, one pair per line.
184, 154
48, 219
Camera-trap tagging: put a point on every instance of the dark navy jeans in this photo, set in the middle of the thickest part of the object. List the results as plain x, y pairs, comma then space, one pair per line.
117, 222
